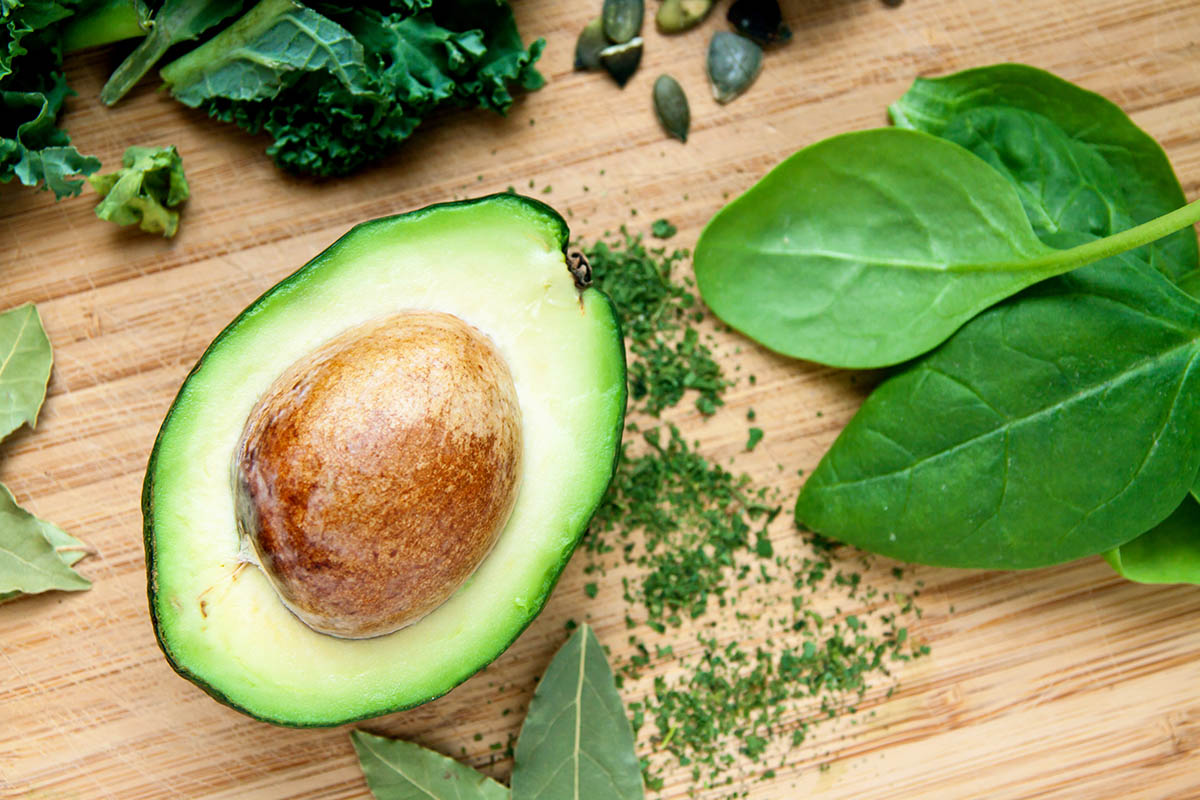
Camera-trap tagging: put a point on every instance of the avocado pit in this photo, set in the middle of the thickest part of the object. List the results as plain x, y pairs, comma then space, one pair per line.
376, 474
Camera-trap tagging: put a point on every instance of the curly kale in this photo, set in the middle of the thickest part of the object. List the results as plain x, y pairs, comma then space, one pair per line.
337, 87
32, 90
146, 190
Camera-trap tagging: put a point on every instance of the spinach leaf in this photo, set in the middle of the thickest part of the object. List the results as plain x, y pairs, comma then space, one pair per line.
576, 742
1061, 423
35, 556
177, 21
25, 361
1083, 165
1167, 553
399, 770
870, 248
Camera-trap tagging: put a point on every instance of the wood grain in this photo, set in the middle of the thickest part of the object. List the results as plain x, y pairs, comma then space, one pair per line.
1057, 683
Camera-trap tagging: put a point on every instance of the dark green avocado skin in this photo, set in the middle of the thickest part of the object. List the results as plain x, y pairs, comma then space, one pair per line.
563, 235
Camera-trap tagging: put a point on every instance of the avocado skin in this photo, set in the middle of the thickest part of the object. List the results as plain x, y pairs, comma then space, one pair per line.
562, 233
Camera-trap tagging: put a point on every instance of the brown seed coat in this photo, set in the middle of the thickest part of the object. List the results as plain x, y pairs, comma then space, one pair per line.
376, 474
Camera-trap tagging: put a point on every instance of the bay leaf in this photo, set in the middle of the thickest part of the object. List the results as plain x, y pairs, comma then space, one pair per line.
25, 360
35, 556
400, 770
576, 742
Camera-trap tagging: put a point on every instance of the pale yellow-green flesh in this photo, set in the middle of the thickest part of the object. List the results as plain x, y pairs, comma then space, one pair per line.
224, 626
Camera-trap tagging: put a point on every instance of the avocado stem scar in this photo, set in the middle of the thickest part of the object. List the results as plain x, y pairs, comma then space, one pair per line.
580, 269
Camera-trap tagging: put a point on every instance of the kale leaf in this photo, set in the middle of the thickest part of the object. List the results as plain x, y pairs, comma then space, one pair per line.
32, 90
337, 87
145, 191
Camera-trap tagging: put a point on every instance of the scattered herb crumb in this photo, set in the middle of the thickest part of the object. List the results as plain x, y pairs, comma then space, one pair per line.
693, 542
662, 229
658, 316
756, 435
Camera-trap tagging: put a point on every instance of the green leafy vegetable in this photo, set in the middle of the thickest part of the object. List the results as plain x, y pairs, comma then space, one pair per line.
1078, 160
104, 22
255, 57
32, 90
1059, 424
34, 34
399, 770
576, 742
35, 556
145, 191
896, 240
338, 89
177, 21
1167, 553
25, 361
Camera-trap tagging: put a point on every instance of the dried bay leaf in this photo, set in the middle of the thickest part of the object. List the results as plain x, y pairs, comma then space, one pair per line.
35, 556
576, 742
400, 770
25, 360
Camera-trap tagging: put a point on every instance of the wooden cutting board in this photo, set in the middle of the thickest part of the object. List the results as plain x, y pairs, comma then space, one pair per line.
1065, 682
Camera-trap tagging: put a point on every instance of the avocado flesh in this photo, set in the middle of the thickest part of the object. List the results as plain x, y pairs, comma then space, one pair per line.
497, 263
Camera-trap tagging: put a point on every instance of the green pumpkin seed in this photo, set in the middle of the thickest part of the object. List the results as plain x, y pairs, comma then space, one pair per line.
675, 16
589, 44
761, 20
621, 60
671, 107
733, 64
622, 19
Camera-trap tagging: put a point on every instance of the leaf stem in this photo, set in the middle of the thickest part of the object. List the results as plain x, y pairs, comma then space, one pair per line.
1121, 242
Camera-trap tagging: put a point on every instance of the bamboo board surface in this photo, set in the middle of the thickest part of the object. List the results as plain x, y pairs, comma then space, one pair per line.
1064, 682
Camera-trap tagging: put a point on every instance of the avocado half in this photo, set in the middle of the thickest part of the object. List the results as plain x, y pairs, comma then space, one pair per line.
498, 263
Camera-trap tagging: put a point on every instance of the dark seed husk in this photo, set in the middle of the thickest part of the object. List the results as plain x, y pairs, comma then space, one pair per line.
675, 16
671, 107
761, 20
622, 19
733, 64
621, 60
589, 44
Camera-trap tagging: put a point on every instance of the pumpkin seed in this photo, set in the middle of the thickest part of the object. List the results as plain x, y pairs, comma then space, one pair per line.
671, 107
675, 16
589, 44
621, 60
761, 20
733, 64
622, 19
